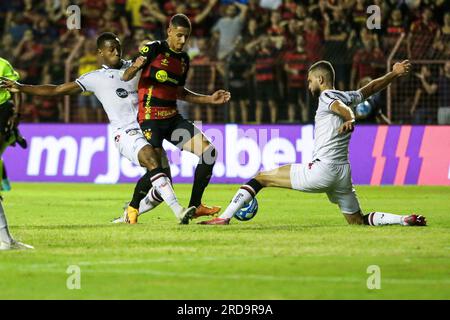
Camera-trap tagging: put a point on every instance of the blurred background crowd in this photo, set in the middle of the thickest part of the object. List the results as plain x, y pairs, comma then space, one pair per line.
258, 49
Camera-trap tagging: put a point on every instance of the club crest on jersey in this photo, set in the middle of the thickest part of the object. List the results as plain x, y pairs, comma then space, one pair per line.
117, 138
161, 76
165, 62
122, 93
148, 134
132, 132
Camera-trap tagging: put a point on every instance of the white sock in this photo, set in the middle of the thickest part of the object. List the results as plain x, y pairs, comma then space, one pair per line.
383, 219
162, 184
240, 199
151, 201
4, 232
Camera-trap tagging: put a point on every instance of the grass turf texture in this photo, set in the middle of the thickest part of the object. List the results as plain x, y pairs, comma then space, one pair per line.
297, 247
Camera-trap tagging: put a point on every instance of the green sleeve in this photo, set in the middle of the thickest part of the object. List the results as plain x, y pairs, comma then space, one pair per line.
7, 71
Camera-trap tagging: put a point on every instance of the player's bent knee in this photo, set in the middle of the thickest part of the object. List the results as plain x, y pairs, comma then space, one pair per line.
264, 179
354, 218
148, 158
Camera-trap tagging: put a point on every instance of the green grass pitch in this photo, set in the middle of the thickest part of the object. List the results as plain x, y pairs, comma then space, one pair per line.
297, 247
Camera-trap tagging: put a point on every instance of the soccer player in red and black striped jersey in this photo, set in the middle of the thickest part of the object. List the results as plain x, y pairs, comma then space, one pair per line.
164, 68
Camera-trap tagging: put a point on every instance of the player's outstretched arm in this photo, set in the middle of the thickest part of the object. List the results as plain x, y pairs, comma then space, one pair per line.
131, 72
218, 97
41, 90
400, 69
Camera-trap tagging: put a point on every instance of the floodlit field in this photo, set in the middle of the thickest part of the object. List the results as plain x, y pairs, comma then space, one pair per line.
297, 247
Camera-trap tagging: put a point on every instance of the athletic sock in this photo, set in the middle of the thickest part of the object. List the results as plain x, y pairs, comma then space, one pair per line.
243, 196
4, 232
383, 219
141, 190
203, 174
162, 184
150, 201
142, 198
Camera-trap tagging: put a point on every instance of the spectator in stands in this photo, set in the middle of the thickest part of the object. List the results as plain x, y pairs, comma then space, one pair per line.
296, 66
28, 110
422, 35
336, 36
367, 62
46, 34
48, 109
6, 48
239, 78
266, 83
313, 40
195, 15
444, 96
201, 78
17, 26
395, 27
423, 110
229, 28
294, 28
442, 42
252, 31
150, 11
117, 10
27, 52
288, 9
87, 100
359, 15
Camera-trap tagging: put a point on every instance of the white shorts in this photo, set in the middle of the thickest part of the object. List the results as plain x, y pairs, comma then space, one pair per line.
129, 142
334, 180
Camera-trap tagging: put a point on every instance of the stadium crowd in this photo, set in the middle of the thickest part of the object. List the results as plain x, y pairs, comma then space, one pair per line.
259, 49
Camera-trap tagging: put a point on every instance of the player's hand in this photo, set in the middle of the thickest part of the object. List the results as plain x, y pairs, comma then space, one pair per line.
220, 97
347, 127
140, 61
402, 68
13, 121
10, 85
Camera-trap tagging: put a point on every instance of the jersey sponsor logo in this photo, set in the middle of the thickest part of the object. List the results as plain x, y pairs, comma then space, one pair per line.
162, 76
122, 93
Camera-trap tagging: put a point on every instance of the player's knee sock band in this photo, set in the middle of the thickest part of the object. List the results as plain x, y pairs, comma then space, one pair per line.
203, 174
253, 187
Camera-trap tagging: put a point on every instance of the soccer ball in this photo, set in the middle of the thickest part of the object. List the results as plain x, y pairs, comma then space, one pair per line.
247, 212
364, 109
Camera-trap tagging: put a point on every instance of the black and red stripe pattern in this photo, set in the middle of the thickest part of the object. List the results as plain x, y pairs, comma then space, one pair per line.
164, 72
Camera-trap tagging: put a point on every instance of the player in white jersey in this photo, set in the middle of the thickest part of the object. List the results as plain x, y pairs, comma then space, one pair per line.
119, 99
329, 172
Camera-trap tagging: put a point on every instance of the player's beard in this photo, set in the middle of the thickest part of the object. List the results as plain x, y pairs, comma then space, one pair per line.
315, 92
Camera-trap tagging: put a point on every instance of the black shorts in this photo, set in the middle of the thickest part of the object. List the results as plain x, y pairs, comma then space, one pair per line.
266, 90
239, 93
176, 130
6, 112
294, 95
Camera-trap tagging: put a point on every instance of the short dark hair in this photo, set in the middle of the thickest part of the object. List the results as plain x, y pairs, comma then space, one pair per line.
180, 20
107, 36
327, 68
